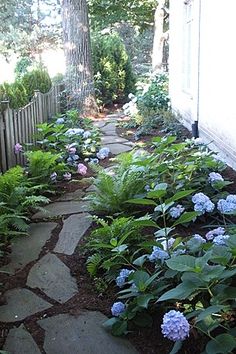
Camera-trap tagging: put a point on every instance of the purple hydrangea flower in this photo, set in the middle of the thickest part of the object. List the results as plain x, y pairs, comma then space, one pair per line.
220, 240
117, 309
215, 177
18, 148
213, 233
199, 238
158, 254
228, 205
175, 326
60, 121
175, 212
121, 279
202, 203
67, 176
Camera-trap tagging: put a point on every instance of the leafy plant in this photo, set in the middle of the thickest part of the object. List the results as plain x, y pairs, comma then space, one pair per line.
37, 79
114, 78
42, 164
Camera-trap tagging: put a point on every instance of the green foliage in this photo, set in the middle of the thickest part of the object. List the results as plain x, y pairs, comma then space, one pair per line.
114, 188
138, 13
22, 66
155, 97
114, 78
14, 93
42, 164
37, 79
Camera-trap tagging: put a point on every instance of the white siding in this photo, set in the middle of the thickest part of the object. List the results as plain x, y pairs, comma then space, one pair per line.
212, 99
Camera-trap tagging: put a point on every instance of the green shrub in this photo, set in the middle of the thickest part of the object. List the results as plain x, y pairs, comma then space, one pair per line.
114, 78
15, 93
37, 79
22, 66
156, 97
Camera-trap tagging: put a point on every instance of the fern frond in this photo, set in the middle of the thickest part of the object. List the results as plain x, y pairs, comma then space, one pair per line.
93, 263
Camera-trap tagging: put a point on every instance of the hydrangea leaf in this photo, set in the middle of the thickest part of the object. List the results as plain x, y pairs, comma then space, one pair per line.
183, 263
222, 344
186, 217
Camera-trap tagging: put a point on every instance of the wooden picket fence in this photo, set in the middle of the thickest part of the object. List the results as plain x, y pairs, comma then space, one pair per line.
19, 126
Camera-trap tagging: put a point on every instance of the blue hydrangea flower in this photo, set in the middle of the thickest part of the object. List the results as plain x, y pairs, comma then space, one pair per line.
147, 188
199, 238
60, 121
87, 134
175, 212
213, 233
215, 177
53, 177
121, 279
103, 153
74, 131
158, 254
175, 326
228, 205
117, 309
220, 240
202, 203
178, 252
94, 160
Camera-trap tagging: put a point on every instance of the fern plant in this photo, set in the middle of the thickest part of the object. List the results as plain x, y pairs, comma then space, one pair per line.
113, 190
42, 164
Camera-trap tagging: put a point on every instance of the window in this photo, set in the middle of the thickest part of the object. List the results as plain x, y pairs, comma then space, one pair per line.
187, 45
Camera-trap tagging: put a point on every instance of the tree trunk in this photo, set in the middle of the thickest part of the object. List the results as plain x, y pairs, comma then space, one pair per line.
157, 53
77, 48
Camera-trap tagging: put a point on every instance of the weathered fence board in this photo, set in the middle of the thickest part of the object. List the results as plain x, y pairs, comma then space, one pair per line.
19, 126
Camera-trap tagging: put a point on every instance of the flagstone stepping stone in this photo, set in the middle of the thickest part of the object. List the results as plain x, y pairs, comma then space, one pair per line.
91, 188
27, 249
111, 139
62, 208
118, 148
21, 303
84, 334
19, 341
109, 129
100, 123
52, 276
76, 195
73, 229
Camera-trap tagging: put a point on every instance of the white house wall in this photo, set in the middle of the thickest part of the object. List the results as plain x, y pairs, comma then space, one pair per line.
212, 98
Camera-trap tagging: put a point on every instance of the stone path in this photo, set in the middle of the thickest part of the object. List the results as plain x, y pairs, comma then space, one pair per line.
50, 282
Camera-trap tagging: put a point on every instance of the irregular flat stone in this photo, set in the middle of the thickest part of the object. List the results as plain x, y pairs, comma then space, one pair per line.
84, 334
109, 129
19, 341
27, 249
73, 229
62, 208
111, 139
53, 277
76, 195
21, 303
118, 148
91, 188
99, 123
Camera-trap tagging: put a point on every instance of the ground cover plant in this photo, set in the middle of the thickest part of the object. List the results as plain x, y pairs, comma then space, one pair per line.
169, 250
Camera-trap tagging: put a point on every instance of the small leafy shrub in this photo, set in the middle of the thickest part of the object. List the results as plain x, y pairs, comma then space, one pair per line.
37, 79
155, 96
114, 78
22, 66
